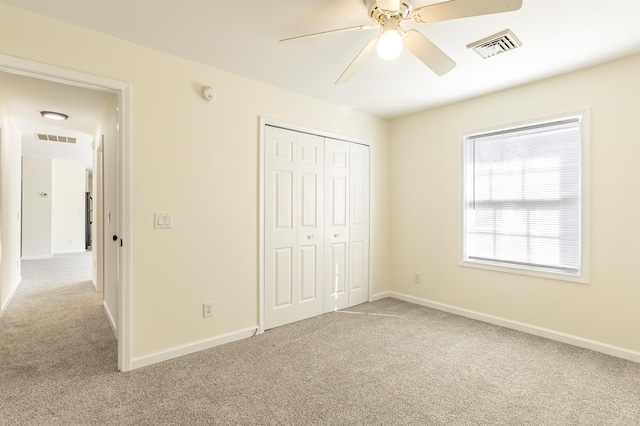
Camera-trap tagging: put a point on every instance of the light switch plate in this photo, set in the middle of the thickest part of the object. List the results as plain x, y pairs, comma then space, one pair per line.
163, 220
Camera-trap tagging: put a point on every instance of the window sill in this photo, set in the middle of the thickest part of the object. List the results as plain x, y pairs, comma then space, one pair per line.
581, 279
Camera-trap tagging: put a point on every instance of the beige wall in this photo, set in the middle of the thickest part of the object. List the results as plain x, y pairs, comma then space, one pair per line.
55, 223
68, 207
199, 161
37, 222
10, 210
425, 203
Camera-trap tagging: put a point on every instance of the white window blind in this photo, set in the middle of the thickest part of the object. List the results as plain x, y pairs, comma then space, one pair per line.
522, 204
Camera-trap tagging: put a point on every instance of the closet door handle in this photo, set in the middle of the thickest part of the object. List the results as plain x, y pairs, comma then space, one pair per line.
309, 237
336, 235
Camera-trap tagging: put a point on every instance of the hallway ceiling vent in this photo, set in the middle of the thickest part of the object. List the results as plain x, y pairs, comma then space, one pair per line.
54, 138
493, 45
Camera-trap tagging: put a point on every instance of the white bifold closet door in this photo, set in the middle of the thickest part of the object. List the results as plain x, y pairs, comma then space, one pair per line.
336, 292
294, 226
359, 224
316, 225
346, 258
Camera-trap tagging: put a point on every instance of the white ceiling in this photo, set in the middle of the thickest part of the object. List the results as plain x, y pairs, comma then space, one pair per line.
241, 36
25, 97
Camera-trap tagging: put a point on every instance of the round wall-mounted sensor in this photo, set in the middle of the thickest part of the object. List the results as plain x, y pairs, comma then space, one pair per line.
208, 94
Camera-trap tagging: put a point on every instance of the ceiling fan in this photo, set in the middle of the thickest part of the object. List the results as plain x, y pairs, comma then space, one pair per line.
388, 14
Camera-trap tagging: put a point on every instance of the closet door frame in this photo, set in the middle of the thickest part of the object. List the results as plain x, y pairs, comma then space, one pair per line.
265, 121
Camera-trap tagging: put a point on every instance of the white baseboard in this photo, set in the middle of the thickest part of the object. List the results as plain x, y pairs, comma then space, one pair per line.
110, 317
519, 326
383, 295
189, 348
72, 251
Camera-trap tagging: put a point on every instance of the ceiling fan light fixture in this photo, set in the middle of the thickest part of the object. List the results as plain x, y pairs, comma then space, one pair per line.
390, 43
51, 115
389, 15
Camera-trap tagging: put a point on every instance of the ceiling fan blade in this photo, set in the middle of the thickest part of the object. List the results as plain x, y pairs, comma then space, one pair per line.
340, 30
428, 53
357, 61
454, 9
389, 5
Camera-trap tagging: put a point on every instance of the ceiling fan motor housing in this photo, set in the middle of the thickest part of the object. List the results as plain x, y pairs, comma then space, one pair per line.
377, 15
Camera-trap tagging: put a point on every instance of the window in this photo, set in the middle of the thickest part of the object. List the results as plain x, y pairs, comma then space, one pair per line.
522, 198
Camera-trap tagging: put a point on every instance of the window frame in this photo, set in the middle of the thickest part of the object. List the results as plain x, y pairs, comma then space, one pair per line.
583, 274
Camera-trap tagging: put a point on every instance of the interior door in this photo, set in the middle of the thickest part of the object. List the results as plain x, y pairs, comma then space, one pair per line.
358, 224
110, 237
98, 249
293, 222
336, 295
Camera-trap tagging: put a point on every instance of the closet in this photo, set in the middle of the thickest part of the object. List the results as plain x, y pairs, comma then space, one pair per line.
316, 225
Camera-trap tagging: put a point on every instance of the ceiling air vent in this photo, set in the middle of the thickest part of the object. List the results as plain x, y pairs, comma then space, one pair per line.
54, 138
493, 45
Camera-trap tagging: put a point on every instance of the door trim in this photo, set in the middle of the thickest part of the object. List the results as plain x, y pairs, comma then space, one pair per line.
266, 121
122, 89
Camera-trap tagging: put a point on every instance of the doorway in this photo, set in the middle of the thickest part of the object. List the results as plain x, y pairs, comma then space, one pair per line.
118, 221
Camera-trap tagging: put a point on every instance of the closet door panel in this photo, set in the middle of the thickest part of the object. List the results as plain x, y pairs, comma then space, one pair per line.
283, 204
308, 281
310, 233
338, 287
283, 277
337, 228
280, 224
339, 202
358, 252
359, 225
310, 201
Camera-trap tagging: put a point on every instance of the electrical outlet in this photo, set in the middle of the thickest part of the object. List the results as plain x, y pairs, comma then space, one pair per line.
417, 277
207, 309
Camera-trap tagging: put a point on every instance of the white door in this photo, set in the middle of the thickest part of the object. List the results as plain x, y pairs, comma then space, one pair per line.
336, 294
358, 224
293, 221
98, 244
110, 237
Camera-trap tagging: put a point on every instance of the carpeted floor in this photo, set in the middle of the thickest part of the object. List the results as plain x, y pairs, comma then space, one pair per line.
382, 363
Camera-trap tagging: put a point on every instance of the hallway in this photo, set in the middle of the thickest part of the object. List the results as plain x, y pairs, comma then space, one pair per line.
53, 334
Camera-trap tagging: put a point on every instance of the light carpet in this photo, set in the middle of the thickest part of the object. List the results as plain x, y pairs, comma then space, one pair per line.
382, 363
